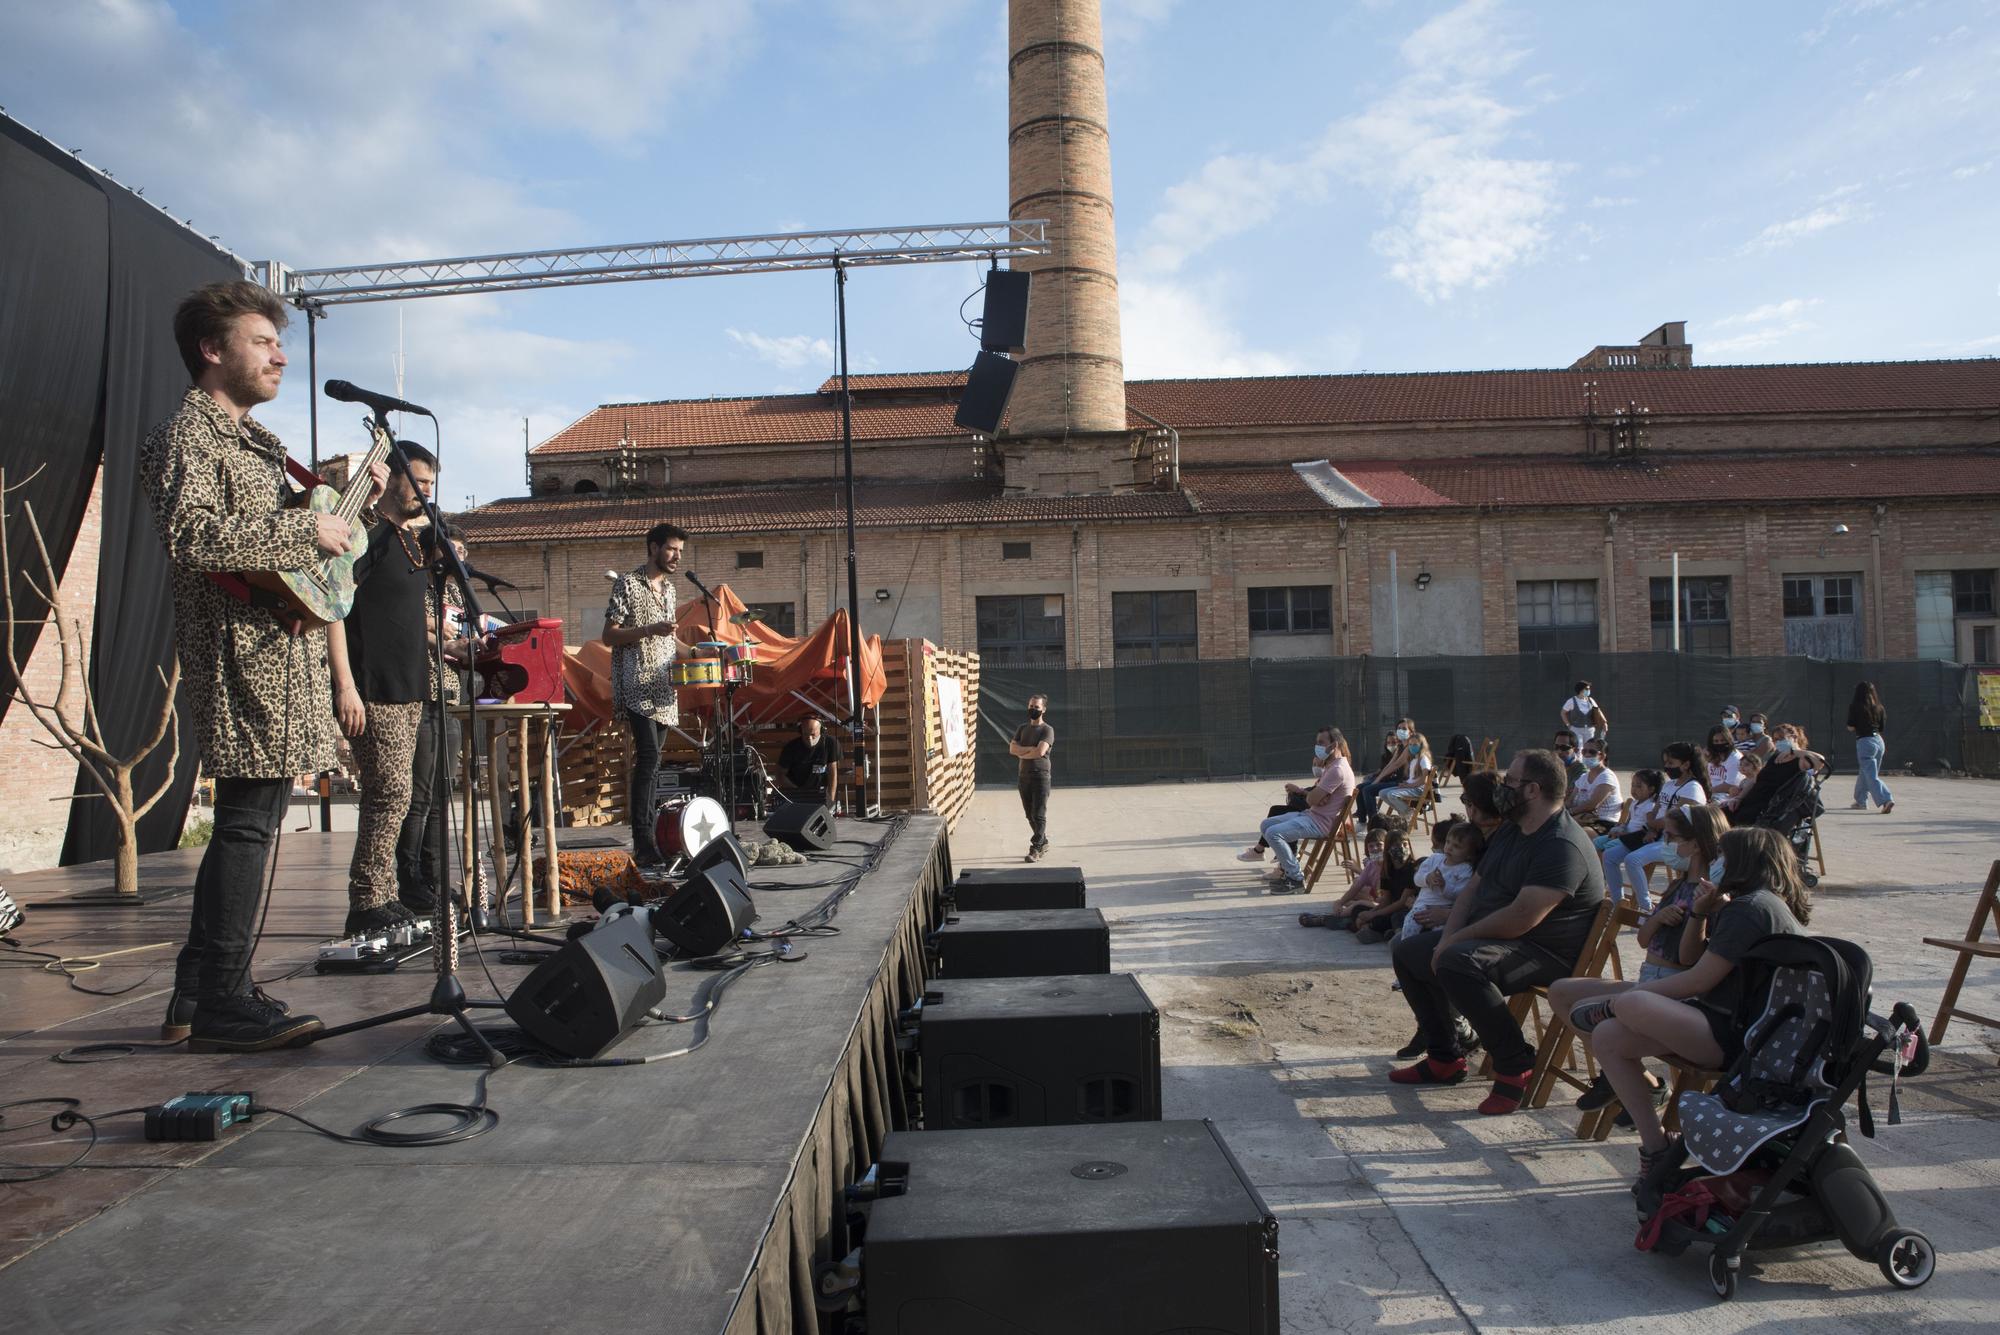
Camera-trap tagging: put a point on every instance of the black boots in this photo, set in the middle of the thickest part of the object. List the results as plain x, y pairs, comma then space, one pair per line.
248, 1022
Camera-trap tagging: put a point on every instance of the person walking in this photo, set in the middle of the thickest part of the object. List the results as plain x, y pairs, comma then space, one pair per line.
1866, 719
1032, 743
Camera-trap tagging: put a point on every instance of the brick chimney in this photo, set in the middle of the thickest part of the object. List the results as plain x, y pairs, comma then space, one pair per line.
1071, 388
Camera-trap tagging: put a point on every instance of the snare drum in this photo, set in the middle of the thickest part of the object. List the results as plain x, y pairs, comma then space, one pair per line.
746, 652
684, 828
695, 672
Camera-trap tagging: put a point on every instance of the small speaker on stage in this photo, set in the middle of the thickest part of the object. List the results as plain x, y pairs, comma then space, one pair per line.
1038, 1051
593, 992
1146, 1228
724, 848
708, 912
987, 388
1003, 325
805, 826
1023, 943
984, 889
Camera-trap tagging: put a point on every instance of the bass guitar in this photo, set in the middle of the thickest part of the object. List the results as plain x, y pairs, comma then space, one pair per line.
324, 591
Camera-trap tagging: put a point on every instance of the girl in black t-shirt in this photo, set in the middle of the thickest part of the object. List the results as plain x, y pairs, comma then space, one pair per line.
1760, 895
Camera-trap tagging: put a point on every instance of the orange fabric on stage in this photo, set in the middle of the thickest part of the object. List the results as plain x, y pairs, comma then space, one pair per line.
814, 666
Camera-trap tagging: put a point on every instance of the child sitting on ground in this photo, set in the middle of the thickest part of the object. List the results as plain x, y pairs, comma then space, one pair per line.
1361, 895
1385, 921
1399, 890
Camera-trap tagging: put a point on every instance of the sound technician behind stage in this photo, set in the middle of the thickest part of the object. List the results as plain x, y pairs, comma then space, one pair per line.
811, 763
259, 698
639, 627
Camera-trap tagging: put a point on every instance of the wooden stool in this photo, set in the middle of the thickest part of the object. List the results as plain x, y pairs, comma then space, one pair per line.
536, 763
1973, 946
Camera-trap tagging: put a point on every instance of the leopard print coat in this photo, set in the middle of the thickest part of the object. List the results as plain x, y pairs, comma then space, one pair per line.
261, 697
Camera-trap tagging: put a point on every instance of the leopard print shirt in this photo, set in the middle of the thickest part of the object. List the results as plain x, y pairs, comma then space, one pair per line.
261, 698
639, 672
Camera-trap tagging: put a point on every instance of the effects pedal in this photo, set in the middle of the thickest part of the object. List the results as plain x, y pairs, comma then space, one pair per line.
197, 1116
375, 952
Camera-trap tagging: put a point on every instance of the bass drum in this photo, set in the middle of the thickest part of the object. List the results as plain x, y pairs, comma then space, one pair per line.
685, 827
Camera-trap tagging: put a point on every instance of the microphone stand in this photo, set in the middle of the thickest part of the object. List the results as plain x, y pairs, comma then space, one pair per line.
447, 994
725, 703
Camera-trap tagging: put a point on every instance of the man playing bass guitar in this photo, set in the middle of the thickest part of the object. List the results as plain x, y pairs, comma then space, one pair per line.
259, 693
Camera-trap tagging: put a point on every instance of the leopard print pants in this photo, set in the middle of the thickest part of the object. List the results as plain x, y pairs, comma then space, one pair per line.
385, 751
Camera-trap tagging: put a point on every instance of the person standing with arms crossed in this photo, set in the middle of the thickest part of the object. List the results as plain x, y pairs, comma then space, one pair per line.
1032, 743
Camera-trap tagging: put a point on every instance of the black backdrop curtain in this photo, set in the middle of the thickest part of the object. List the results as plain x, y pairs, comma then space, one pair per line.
89, 277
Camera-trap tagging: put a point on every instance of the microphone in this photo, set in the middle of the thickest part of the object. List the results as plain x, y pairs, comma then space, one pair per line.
695, 580
491, 581
345, 392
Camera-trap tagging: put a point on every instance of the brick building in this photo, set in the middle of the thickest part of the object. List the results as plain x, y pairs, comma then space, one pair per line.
1846, 510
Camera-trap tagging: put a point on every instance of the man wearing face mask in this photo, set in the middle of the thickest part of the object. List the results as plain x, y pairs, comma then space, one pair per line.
1520, 923
1032, 743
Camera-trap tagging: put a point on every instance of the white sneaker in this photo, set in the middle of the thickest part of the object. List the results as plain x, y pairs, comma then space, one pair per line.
1251, 855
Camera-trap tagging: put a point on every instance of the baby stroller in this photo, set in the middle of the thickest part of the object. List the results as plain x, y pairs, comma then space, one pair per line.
1791, 811
1771, 1137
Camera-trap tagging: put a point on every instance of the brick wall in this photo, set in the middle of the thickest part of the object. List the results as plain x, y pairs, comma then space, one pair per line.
31, 823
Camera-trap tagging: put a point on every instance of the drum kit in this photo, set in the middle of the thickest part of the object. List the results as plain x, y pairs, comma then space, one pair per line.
717, 664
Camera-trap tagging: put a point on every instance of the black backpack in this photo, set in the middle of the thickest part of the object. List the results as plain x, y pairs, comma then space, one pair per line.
1459, 748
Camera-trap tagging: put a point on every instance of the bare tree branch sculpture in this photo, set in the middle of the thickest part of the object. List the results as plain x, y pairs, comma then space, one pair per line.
72, 717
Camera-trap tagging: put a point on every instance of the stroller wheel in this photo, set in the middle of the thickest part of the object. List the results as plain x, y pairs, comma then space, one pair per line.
1907, 1258
1722, 1275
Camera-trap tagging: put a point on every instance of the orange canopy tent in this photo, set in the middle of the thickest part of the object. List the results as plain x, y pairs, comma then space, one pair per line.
814, 666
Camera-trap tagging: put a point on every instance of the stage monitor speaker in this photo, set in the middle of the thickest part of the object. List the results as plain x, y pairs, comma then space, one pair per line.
1145, 1228
805, 826
983, 404
708, 912
984, 889
594, 991
1038, 1051
1003, 326
1023, 943
724, 848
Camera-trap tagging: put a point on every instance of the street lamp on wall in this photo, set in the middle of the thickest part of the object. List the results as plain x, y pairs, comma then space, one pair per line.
1423, 580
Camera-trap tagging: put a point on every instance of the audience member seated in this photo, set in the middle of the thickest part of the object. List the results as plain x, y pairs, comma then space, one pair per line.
1596, 797
1694, 841
1402, 794
1399, 890
1389, 774
1565, 747
810, 763
1633, 830
1322, 809
1748, 767
1732, 719
1520, 923
1760, 895
1475, 796
1681, 763
1364, 893
1295, 796
1441, 878
1723, 760
1755, 739
1790, 756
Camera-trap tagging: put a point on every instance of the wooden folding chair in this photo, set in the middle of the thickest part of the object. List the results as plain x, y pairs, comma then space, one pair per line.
1555, 1055
1324, 849
1423, 810
1447, 768
1819, 850
1526, 1007
1489, 755
1974, 946
1598, 1122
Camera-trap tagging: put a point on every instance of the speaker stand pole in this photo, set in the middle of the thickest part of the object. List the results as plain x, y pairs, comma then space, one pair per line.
854, 731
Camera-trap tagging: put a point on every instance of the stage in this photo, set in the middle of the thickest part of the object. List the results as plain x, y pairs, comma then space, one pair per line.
690, 1195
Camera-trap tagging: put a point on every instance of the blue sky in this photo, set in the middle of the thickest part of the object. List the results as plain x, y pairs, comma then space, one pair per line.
1301, 187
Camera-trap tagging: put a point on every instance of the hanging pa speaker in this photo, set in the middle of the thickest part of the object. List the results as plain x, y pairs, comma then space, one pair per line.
708, 912
984, 402
805, 826
594, 991
1004, 325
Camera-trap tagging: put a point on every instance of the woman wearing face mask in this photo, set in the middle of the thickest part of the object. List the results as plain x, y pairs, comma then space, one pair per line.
1295, 796
1790, 757
1756, 736
1725, 762
1866, 719
1681, 764
1390, 774
1575, 713
1408, 784
1597, 797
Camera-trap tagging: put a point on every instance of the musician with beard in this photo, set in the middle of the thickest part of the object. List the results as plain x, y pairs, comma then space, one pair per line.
381, 680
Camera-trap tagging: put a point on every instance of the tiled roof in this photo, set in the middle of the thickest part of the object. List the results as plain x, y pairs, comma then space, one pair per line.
865, 384
1270, 489
1322, 400
800, 508
1691, 478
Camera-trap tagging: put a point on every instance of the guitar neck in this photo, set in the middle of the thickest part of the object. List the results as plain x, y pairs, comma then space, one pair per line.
358, 486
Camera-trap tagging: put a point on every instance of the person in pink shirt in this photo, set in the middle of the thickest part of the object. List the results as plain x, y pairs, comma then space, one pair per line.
1323, 803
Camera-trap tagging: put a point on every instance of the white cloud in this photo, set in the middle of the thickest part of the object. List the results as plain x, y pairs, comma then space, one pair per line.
1763, 326
1172, 329
1612, 201
787, 352
1966, 173
1784, 233
1461, 214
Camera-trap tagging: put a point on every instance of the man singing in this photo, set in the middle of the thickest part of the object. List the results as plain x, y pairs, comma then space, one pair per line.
380, 658
639, 627
258, 693
1032, 743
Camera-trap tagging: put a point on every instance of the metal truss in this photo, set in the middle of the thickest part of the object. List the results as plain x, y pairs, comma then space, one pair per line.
777, 252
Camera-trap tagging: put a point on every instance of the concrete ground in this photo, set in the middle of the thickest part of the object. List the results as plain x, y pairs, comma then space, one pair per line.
1404, 1208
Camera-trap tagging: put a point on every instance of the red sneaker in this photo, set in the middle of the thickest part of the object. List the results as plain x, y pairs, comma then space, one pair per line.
1508, 1090
1429, 1072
